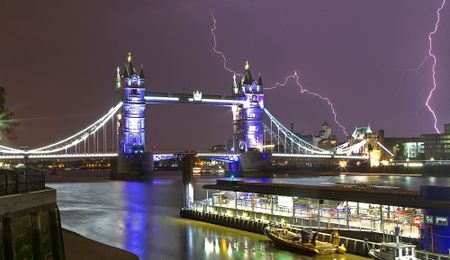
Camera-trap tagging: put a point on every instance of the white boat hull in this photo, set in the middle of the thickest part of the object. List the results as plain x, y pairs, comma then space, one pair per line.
373, 255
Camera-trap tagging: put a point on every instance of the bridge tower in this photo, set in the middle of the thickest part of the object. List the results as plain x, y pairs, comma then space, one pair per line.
248, 129
134, 161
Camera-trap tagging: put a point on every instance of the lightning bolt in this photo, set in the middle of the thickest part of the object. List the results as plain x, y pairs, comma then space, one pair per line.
309, 92
433, 69
220, 53
419, 67
292, 76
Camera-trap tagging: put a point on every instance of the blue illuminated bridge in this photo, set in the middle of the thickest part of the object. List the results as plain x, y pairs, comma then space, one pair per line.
120, 132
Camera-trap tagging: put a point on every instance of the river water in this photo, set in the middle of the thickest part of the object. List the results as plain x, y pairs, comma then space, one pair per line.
143, 218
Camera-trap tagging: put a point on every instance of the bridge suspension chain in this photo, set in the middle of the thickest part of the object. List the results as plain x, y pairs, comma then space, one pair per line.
82, 136
293, 144
291, 137
73, 143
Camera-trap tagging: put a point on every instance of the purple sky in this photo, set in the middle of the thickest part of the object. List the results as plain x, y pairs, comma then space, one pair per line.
58, 60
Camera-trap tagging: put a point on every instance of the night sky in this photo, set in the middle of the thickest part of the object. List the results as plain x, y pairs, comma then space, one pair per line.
58, 61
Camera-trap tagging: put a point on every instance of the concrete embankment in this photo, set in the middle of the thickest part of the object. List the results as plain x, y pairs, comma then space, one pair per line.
31, 226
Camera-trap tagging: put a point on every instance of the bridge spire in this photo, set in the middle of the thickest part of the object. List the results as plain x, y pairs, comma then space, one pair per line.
141, 73
247, 76
129, 57
234, 86
118, 79
129, 69
260, 80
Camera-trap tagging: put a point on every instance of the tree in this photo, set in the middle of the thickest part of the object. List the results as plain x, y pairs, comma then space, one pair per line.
7, 123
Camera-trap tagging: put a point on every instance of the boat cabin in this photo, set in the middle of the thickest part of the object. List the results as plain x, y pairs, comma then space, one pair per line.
395, 251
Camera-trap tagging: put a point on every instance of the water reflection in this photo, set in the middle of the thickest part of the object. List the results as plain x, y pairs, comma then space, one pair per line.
135, 229
144, 219
206, 241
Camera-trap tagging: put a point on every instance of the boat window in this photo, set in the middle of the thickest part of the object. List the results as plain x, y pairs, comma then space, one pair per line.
429, 219
442, 221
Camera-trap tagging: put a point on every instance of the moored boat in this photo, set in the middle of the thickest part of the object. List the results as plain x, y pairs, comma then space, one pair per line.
301, 241
393, 251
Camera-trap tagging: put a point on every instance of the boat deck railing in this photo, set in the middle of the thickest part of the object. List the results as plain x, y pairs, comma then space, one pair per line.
431, 256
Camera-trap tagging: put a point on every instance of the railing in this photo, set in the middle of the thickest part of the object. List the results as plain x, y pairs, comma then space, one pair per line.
431, 256
20, 182
355, 223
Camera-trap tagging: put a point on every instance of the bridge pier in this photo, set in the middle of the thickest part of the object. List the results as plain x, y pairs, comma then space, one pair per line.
234, 169
255, 164
188, 180
133, 167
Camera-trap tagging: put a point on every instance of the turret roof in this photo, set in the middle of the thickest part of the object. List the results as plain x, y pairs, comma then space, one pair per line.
247, 76
141, 73
129, 70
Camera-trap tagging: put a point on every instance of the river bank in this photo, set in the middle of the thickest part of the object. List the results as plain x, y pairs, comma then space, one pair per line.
78, 247
143, 218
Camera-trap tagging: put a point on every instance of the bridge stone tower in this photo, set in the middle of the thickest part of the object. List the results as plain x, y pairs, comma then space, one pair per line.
248, 128
134, 161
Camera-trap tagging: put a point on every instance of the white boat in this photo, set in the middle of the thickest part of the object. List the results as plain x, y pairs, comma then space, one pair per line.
394, 251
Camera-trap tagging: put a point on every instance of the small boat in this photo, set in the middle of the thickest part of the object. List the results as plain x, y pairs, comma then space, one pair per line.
303, 242
394, 251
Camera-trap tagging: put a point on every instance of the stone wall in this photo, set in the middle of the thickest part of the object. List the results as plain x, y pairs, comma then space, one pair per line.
30, 226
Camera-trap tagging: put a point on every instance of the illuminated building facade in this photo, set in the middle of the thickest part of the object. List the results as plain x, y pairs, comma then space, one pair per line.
326, 138
132, 119
437, 146
248, 128
405, 147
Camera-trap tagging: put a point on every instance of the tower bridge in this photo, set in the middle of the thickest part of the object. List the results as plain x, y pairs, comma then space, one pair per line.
258, 137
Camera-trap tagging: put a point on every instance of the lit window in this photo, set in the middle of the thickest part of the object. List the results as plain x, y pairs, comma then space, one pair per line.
429, 219
442, 221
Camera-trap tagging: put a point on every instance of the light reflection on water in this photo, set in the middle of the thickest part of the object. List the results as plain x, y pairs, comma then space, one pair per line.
144, 218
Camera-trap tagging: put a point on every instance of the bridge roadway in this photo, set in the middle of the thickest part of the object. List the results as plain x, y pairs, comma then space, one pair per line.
156, 156
183, 98
165, 156
320, 156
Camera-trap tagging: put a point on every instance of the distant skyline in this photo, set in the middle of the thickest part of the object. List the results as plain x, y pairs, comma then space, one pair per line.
58, 60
